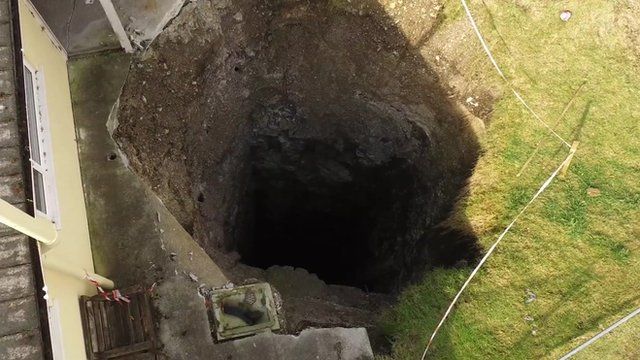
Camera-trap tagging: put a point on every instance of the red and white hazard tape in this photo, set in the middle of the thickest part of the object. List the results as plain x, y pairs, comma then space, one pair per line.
114, 295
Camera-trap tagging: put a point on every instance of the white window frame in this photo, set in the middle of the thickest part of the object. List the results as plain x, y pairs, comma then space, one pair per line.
45, 167
55, 328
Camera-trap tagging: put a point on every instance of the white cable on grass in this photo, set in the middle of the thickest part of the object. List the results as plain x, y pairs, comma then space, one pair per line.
492, 249
601, 334
495, 65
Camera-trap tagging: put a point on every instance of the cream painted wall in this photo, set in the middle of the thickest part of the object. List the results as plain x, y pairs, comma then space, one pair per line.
72, 247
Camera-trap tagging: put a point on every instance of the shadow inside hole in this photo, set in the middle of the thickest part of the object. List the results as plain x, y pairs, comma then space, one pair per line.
354, 155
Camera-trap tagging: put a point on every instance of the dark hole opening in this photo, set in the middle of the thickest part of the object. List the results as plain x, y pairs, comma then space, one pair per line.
322, 206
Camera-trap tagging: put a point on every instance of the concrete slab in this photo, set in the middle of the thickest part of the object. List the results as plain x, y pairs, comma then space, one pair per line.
311, 344
80, 26
145, 19
134, 238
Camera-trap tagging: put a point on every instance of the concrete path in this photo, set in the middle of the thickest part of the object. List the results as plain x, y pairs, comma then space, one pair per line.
311, 344
134, 238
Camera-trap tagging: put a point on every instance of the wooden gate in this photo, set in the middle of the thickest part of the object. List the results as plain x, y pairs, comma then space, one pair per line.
118, 329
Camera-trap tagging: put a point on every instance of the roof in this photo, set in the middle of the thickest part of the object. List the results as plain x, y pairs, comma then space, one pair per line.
20, 333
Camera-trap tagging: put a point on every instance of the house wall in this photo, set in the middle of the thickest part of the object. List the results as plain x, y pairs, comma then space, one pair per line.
72, 248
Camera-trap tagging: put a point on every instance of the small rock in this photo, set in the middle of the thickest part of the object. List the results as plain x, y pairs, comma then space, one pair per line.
193, 277
173, 256
528, 318
144, 99
472, 101
534, 332
565, 15
531, 297
238, 16
593, 192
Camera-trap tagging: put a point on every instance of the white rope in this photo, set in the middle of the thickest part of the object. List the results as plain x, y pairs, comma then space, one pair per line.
601, 334
495, 65
492, 249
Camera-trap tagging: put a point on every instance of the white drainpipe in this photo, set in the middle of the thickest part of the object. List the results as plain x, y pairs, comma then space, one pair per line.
45, 232
76, 272
40, 229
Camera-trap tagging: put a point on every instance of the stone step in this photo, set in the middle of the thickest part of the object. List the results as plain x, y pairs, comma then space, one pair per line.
18, 315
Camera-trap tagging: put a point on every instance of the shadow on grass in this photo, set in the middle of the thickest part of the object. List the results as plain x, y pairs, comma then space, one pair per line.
420, 307
576, 133
593, 324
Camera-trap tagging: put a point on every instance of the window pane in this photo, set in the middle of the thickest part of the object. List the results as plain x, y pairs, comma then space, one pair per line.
38, 192
34, 143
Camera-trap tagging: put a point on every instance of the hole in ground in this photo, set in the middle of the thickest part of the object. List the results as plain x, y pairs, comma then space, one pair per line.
324, 214
338, 151
355, 210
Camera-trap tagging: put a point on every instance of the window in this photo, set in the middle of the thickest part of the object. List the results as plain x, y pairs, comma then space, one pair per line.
44, 194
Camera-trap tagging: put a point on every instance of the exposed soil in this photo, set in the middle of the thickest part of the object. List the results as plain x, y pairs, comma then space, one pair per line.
309, 135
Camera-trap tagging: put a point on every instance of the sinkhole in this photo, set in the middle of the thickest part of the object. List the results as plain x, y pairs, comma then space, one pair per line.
356, 204
306, 135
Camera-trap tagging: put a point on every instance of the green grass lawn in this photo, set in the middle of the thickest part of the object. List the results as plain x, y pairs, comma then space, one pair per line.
579, 254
